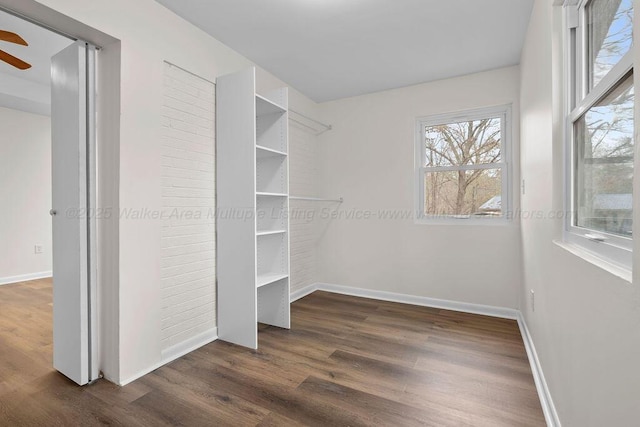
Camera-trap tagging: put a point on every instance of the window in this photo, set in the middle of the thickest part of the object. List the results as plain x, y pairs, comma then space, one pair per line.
600, 128
462, 166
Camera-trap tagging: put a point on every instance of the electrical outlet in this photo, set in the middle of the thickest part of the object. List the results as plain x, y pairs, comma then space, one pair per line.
37, 249
533, 300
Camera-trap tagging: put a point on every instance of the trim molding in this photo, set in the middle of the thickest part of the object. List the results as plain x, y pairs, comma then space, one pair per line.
548, 408
486, 310
301, 293
25, 277
139, 374
172, 353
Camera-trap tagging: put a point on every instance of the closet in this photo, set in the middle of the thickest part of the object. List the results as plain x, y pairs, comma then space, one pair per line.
253, 205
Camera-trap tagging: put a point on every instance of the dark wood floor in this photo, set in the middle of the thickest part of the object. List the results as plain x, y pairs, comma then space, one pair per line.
346, 361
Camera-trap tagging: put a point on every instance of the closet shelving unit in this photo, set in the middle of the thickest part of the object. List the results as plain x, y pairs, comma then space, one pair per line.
253, 203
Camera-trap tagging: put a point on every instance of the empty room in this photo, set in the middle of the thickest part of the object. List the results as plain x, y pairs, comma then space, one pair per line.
318, 212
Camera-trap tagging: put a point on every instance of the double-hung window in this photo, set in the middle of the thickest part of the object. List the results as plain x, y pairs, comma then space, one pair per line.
600, 124
462, 168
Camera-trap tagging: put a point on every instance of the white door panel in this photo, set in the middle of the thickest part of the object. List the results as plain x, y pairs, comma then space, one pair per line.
72, 167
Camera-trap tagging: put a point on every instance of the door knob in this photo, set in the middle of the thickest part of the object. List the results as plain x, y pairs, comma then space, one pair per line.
53, 212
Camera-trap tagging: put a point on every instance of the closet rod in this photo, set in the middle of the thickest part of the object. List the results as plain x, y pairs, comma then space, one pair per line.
316, 199
308, 127
324, 125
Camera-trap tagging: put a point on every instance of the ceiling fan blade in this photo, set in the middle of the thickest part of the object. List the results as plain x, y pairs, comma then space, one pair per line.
12, 60
12, 38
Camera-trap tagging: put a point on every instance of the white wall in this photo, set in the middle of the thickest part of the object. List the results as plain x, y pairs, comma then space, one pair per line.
188, 196
586, 324
304, 225
149, 34
368, 158
25, 192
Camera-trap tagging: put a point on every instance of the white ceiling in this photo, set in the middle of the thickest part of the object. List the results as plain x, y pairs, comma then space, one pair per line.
43, 44
331, 49
28, 90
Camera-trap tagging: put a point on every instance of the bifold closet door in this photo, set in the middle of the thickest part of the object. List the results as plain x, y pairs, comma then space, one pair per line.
72, 168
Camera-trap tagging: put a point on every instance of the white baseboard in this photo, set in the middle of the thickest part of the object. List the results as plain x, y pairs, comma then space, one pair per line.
548, 408
139, 374
301, 293
25, 277
487, 310
177, 351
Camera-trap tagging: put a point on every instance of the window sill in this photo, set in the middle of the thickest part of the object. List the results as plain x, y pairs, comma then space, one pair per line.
618, 271
465, 222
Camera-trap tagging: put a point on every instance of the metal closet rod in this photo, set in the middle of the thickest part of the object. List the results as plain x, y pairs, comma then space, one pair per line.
324, 125
311, 128
317, 199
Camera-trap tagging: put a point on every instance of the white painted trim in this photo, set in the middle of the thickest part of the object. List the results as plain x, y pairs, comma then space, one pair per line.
172, 353
25, 277
175, 352
486, 310
548, 408
139, 374
301, 293
504, 112
597, 260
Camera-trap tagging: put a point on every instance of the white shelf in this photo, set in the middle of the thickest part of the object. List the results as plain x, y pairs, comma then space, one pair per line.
268, 152
268, 279
269, 233
271, 130
271, 213
265, 107
271, 174
252, 138
261, 193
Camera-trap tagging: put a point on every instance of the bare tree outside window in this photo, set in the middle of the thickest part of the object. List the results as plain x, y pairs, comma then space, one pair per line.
599, 146
610, 29
463, 168
604, 133
604, 167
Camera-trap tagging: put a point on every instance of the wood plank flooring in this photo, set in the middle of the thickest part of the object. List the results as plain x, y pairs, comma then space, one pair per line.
346, 362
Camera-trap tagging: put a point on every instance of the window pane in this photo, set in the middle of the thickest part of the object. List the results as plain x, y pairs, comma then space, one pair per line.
464, 194
610, 24
604, 138
464, 143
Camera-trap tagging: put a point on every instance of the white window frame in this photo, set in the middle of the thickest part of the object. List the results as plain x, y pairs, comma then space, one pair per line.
578, 99
504, 113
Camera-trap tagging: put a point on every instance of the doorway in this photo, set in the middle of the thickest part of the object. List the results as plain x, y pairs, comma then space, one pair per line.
48, 265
